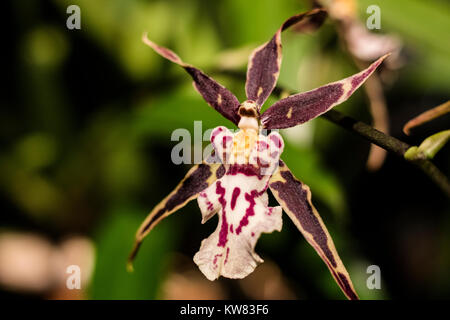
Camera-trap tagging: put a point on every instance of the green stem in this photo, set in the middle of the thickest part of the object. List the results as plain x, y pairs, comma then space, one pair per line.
390, 144
373, 135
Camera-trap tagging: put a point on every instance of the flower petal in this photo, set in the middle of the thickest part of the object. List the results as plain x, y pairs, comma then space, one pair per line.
195, 181
426, 116
222, 140
216, 95
295, 198
241, 199
229, 250
302, 107
265, 61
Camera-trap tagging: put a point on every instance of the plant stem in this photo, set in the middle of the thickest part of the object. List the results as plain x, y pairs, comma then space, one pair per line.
373, 135
389, 143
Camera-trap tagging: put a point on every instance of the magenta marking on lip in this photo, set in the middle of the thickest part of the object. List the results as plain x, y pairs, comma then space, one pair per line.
215, 259
208, 203
215, 133
226, 257
234, 197
250, 197
223, 234
225, 140
261, 163
262, 145
245, 169
253, 234
225, 151
276, 140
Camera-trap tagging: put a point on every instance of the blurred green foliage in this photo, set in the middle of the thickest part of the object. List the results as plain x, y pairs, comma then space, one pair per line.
111, 279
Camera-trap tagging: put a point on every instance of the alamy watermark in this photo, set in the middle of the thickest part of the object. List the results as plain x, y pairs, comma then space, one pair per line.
74, 279
374, 280
74, 20
374, 20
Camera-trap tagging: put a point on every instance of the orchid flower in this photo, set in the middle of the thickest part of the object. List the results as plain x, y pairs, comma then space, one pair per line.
235, 188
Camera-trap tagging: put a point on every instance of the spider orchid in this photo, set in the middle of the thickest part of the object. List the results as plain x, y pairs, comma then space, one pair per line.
236, 186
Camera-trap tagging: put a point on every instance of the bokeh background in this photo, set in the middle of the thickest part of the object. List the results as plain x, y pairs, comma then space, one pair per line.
85, 143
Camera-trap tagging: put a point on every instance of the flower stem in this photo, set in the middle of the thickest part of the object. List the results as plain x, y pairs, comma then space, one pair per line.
389, 143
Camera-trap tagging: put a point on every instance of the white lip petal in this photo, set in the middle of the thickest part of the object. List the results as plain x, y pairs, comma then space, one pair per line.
236, 258
241, 200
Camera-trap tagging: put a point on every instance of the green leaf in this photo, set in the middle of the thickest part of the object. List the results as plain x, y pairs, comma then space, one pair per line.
114, 242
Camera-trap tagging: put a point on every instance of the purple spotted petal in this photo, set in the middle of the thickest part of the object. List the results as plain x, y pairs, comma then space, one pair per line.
265, 62
295, 198
216, 95
195, 181
302, 107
